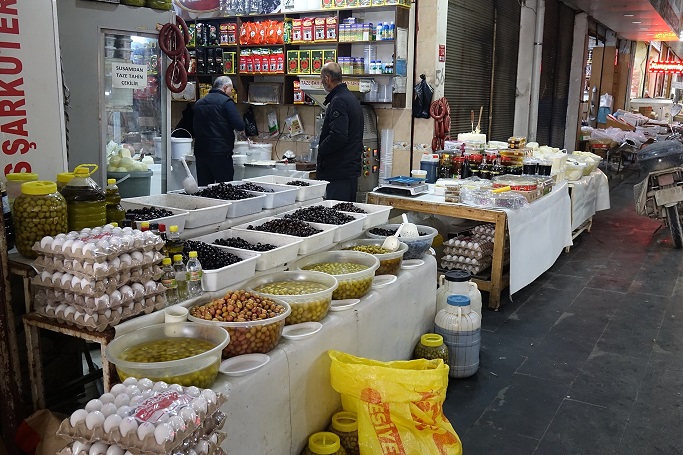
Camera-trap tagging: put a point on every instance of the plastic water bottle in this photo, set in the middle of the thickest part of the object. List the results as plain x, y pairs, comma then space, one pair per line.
194, 275
169, 282
180, 276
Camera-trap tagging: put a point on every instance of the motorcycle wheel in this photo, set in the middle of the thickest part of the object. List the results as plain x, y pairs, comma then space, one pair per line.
675, 226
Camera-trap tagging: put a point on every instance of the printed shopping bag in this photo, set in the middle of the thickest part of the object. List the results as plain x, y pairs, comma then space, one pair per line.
399, 404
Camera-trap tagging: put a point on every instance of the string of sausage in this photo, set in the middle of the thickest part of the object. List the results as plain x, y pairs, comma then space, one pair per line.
173, 40
440, 111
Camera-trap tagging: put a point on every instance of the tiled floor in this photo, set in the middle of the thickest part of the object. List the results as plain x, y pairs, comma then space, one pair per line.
588, 358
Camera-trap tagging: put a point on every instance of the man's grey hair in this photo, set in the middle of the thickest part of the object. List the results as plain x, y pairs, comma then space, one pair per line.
221, 81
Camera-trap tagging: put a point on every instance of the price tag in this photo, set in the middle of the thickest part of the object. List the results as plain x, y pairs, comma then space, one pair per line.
364, 85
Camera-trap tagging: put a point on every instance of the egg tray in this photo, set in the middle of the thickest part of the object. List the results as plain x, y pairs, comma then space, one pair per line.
98, 244
168, 401
463, 242
206, 445
97, 270
96, 288
121, 297
98, 322
473, 269
467, 253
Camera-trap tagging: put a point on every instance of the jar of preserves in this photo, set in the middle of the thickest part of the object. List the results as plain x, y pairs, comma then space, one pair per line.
324, 443
431, 346
39, 211
446, 167
345, 425
86, 200
458, 162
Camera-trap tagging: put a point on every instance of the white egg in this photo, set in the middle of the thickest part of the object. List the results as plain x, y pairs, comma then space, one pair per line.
202, 447
199, 405
77, 416
117, 231
112, 421
103, 246
107, 397
188, 415
193, 391
88, 249
176, 388
77, 283
107, 314
77, 246
164, 418
98, 448
46, 241
177, 423
163, 433
148, 393
66, 246
126, 259
61, 308
214, 438
107, 228
210, 396
80, 448
145, 429
69, 312
94, 419
55, 277
130, 381
65, 279
160, 386
122, 399
137, 256
128, 425
145, 383
117, 389
136, 400
57, 244
115, 450
124, 411
132, 390
191, 452
109, 409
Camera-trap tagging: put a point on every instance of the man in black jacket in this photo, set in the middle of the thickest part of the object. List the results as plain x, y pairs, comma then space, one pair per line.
215, 120
341, 139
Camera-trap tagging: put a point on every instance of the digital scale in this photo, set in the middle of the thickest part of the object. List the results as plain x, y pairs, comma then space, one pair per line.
403, 186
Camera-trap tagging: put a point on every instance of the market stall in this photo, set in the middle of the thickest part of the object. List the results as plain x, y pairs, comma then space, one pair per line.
588, 195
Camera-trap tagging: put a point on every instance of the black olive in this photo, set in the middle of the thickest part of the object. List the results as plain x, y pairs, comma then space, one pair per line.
253, 187
209, 256
147, 213
320, 214
348, 207
286, 226
237, 242
298, 183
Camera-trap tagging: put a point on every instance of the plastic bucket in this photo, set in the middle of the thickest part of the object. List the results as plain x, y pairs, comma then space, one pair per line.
241, 148
180, 146
157, 146
260, 152
138, 184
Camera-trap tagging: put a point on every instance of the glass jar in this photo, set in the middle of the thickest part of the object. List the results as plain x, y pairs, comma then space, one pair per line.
345, 425
14, 182
324, 443
38, 212
446, 167
458, 162
431, 346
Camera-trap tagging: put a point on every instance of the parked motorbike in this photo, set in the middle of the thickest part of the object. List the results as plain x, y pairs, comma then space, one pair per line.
660, 195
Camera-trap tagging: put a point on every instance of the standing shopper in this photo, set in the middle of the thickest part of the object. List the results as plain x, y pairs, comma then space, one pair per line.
341, 139
215, 120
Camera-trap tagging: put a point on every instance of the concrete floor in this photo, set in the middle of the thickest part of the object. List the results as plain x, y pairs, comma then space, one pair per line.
587, 359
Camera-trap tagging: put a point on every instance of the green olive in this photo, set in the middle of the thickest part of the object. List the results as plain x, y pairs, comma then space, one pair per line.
37, 216
372, 249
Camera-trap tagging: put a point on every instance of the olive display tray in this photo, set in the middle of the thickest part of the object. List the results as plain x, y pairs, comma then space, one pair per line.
377, 214
177, 219
315, 189
287, 248
344, 231
201, 211
281, 196
308, 244
238, 207
213, 280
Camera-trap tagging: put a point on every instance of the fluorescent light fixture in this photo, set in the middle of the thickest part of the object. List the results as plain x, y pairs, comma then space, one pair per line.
629, 15
637, 22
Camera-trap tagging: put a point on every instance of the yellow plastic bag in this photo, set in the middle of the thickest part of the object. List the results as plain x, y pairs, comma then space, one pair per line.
399, 404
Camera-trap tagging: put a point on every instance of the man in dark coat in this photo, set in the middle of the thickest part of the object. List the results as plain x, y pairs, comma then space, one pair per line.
341, 140
216, 119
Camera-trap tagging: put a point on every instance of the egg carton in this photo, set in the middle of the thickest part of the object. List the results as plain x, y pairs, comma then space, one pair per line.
71, 315
207, 445
98, 244
123, 296
474, 254
462, 260
472, 268
152, 418
466, 242
97, 270
96, 288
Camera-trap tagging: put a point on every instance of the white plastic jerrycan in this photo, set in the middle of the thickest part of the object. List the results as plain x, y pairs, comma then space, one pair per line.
457, 282
460, 328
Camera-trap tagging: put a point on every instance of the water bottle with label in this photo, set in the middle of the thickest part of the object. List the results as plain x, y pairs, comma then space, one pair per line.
194, 275
169, 281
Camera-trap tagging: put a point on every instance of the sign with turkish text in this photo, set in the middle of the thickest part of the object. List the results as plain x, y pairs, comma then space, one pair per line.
128, 75
316, 84
32, 131
670, 67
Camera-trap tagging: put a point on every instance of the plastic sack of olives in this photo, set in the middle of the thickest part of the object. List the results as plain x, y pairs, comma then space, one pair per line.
98, 244
206, 445
150, 417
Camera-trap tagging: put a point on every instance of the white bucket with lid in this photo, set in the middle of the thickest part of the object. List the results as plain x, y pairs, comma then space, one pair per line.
241, 148
180, 146
260, 152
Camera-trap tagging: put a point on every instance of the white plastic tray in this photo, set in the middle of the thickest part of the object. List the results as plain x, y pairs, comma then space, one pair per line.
202, 211
238, 207
177, 219
308, 244
213, 280
377, 214
344, 231
314, 190
287, 248
281, 196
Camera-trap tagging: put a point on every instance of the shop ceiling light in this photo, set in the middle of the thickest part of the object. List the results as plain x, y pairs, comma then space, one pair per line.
629, 15
637, 22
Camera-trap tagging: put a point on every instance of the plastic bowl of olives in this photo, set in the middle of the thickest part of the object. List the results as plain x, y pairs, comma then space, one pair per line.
180, 353
417, 246
389, 261
354, 270
309, 293
254, 321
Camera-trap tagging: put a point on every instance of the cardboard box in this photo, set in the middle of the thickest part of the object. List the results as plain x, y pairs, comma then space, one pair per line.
229, 62
298, 93
307, 26
292, 62
317, 61
329, 55
331, 28
305, 62
319, 30
621, 125
297, 32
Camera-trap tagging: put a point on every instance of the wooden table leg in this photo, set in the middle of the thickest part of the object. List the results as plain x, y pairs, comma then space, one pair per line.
108, 369
35, 365
497, 261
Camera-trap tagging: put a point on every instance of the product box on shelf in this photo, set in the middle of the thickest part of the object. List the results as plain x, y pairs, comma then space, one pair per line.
329, 56
377, 2
327, 4
352, 3
331, 28
319, 31
297, 31
298, 93
340, 3
307, 25
293, 62
229, 62
305, 62
317, 61
192, 30
228, 33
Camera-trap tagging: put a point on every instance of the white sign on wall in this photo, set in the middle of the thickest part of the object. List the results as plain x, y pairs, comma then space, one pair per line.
32, 132
127, 75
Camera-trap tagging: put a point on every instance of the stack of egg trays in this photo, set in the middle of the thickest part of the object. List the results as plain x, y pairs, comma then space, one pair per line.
205, 445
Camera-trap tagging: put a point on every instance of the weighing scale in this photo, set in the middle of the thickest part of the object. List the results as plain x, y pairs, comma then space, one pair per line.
403, 186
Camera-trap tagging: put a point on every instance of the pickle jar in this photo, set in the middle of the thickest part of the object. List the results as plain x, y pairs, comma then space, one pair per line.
324, 443
431, 346
38, 212
345, 425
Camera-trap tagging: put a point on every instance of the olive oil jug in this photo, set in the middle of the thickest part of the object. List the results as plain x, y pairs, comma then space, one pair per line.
85, 200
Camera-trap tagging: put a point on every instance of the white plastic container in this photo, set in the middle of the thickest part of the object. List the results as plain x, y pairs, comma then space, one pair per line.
316, 188
248, 206
344, 231
240, 148
460, 327
308, 244
287, 248
177, 219
202, 211
458, 282
376, 214
260, 152
214, 280
280, 197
